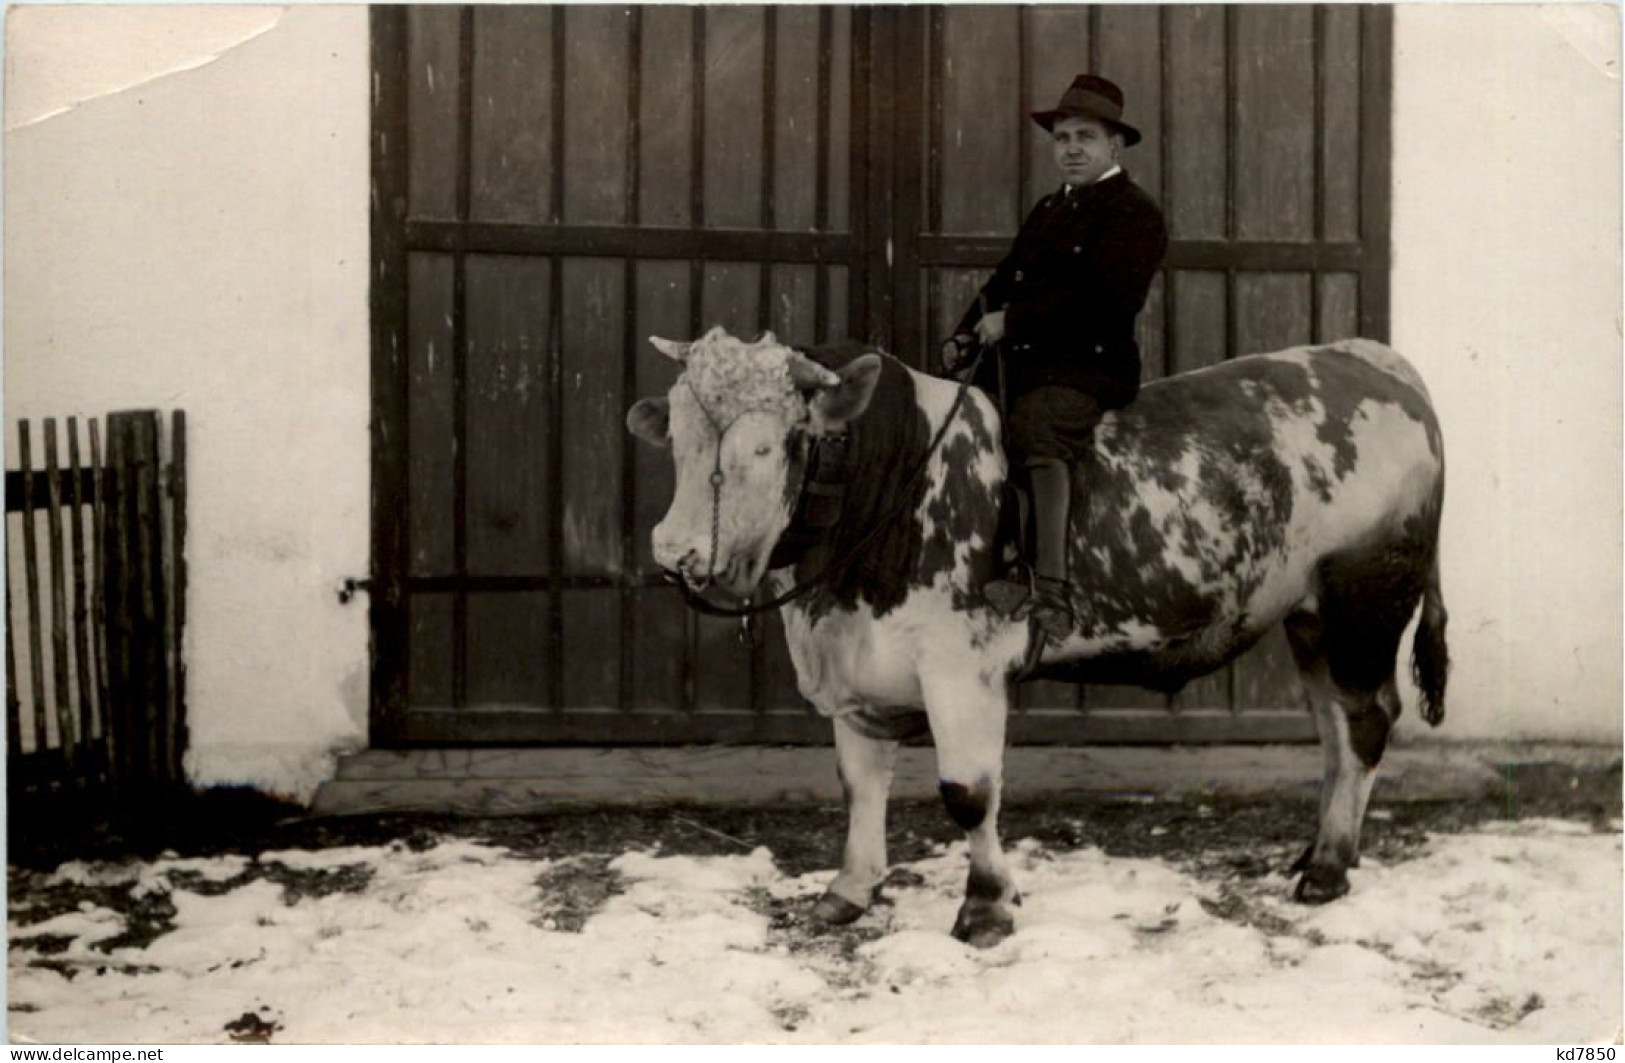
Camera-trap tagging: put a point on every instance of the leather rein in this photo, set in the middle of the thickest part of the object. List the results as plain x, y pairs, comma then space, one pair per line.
809, 485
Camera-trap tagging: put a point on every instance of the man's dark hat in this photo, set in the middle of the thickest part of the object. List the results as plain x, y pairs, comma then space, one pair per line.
1090, 97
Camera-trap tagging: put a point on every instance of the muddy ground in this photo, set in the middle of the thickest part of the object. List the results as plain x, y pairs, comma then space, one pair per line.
1226, 840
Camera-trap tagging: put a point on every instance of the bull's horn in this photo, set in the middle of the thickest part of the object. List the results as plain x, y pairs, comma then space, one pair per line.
671, 348
808, 375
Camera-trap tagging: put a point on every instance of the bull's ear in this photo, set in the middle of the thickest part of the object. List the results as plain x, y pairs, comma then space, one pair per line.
845, 402
650, 421
677, 352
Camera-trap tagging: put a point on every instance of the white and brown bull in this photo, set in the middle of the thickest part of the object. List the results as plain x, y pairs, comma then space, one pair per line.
1301, 487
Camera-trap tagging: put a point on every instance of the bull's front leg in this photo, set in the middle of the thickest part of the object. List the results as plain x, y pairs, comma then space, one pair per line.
865, 766
967, 714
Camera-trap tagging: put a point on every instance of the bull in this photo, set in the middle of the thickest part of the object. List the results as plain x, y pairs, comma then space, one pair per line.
1302, 487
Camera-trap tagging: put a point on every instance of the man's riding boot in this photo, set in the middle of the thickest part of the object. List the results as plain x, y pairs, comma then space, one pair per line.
1052, 509
1045, 595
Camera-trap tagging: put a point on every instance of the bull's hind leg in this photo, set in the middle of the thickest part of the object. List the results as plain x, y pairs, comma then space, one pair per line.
1346, 651
865, 764
967, 714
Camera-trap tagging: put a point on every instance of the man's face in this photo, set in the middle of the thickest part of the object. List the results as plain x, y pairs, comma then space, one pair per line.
1085, 148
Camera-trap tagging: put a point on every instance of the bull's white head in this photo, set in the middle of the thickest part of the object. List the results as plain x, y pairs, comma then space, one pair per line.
737, 421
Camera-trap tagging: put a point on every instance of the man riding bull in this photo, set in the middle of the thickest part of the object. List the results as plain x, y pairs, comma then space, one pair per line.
1062, 306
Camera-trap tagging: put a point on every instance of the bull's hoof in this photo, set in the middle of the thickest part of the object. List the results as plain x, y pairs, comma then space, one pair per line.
1302, 862
1320, 884
981, 926
835, 910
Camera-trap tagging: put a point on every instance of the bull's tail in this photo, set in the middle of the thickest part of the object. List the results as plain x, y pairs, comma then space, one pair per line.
1430, 657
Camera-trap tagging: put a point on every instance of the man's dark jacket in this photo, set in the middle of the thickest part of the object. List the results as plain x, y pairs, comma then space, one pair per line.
1071, 287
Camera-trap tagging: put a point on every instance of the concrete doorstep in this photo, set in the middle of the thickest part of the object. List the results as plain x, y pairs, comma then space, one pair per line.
488, 782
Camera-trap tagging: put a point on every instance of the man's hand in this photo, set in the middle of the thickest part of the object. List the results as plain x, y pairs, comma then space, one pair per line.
990, 329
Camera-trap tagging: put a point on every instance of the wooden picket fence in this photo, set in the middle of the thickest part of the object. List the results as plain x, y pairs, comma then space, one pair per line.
95, 607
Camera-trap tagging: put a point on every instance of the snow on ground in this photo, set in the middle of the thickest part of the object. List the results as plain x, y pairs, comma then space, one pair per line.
1507, 935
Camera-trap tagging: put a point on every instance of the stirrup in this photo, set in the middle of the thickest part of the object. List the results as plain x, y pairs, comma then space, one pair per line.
1051, 608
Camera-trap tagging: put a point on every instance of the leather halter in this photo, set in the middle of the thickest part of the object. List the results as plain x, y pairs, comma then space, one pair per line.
814, 485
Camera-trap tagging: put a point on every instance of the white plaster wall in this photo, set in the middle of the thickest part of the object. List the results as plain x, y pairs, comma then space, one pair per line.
192, 232
1507, 296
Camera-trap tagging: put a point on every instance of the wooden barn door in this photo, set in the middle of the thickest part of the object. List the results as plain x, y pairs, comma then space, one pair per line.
554, 184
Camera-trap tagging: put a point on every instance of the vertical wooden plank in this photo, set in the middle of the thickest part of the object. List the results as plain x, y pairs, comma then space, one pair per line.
874, 181
1340, 138
508, 432
390, 505
1274, 196
507, 667
1339, 307
792, 317
659, 622
593, 415
907, 209
626, 666
100, 647
723, 678
1131, 55
592, 617
666, 143
952, 291
433, 65
1150, 330
1058, 50
1376, 168
84, 670
1195, 167
1198, 339
62, 695
152, 595
821, 119
730, 296
796, 176
597, 41
836, 323
660, 642
1203, 321
36, 649
430, 656
124, 664
980, 143
178, 731
1272, 310
734, 163
1024, 109
430, 442
512, 136
935, 76
461, 342
844, 161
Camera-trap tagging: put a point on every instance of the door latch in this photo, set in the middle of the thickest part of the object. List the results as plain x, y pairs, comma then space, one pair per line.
348, 586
